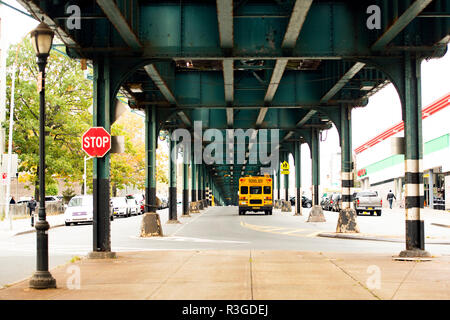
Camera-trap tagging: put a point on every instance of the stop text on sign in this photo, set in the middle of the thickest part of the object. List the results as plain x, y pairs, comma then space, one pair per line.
96, 142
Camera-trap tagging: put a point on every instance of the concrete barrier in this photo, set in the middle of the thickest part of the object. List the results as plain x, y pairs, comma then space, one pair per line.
347, 221
286, 206
316, 215
151, 225
277, 204
193, 207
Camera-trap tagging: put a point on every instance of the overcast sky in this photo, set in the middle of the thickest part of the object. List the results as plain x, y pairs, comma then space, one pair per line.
383, 109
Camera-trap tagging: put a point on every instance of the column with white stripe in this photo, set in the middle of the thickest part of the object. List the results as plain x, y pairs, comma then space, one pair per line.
414, 191
346, 157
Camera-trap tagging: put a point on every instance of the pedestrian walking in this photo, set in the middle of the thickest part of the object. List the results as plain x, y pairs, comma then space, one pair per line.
390, 198
12, 201
32, 205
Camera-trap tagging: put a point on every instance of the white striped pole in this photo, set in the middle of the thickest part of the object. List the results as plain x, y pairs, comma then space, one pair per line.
347, 185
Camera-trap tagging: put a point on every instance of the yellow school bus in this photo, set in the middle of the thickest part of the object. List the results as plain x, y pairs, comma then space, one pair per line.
255, 194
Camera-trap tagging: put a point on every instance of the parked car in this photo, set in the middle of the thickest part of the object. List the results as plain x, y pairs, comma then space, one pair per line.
78, 210
328, 203
367, 201
336, 202
324, 201
24, 200
140, 198
306, 202
120, 207
133, 205
51, 199
164, 202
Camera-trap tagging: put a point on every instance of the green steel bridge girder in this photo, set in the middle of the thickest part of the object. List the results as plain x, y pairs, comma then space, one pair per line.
198, 29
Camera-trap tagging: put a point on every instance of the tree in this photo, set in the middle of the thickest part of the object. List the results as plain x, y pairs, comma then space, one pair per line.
68, 98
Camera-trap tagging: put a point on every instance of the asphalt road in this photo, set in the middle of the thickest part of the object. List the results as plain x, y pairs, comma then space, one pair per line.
216, 228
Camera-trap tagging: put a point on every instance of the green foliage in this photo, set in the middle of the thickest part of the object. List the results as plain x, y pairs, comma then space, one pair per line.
51, 189
68, 97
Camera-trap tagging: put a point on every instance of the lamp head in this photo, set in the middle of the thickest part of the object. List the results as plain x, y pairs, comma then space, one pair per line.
42, 39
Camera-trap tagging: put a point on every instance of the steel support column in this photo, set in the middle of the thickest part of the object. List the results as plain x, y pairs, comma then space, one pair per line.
173, 180
150, 160
101, 170
205, 177
199, 191
414, 189
315, 156
185, 183
286, 179
278, 183
298, 181
193, 179
346, 157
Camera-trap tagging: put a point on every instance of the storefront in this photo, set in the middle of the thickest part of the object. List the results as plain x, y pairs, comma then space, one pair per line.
381, 168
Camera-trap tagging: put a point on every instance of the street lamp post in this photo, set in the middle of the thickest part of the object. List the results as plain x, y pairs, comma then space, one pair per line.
42, 38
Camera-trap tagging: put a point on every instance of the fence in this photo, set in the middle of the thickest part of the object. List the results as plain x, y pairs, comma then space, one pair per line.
17, 210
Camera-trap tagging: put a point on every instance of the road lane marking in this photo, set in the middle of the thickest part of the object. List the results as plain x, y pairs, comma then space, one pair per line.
294, 232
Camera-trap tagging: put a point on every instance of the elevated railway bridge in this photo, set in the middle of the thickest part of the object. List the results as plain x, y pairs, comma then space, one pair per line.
293, 66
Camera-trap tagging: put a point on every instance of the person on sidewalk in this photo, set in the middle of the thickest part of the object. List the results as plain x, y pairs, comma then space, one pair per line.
12, 201
390, 198
32, 205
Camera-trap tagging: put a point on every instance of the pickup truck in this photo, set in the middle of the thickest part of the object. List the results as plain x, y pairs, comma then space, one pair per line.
367, 201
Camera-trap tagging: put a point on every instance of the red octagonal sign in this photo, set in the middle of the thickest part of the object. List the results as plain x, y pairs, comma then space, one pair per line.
96, 142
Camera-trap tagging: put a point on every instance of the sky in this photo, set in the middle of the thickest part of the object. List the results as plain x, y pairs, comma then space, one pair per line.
383, 109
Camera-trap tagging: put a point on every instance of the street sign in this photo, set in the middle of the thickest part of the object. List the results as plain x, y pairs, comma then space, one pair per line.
285, 167
96, 142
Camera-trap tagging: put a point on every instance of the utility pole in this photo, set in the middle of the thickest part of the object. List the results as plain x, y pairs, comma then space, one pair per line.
3, 53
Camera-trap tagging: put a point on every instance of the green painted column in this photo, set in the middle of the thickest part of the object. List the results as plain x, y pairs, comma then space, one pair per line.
200, 193
173, 180
205, 179
150, 159
101, 170
346, 157
278, 182
193, 179
298, 180
315, 155
286, 179
414, 189
186, 157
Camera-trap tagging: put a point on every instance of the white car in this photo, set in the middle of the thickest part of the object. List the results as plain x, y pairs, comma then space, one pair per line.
120, 207
133, 205
79, 209
140, 198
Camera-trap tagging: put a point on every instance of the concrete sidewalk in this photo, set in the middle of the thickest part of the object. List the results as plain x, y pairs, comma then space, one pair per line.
22, 226
247, 275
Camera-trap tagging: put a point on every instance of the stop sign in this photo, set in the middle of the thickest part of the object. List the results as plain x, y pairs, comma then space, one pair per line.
96, 142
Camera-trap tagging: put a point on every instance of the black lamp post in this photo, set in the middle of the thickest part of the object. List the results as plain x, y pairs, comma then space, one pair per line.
42, 38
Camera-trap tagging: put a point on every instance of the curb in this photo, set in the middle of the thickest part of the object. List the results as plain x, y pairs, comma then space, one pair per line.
441, 225
350, 236
34, 230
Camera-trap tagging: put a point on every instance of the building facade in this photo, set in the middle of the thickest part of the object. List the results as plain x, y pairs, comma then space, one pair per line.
380, 162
